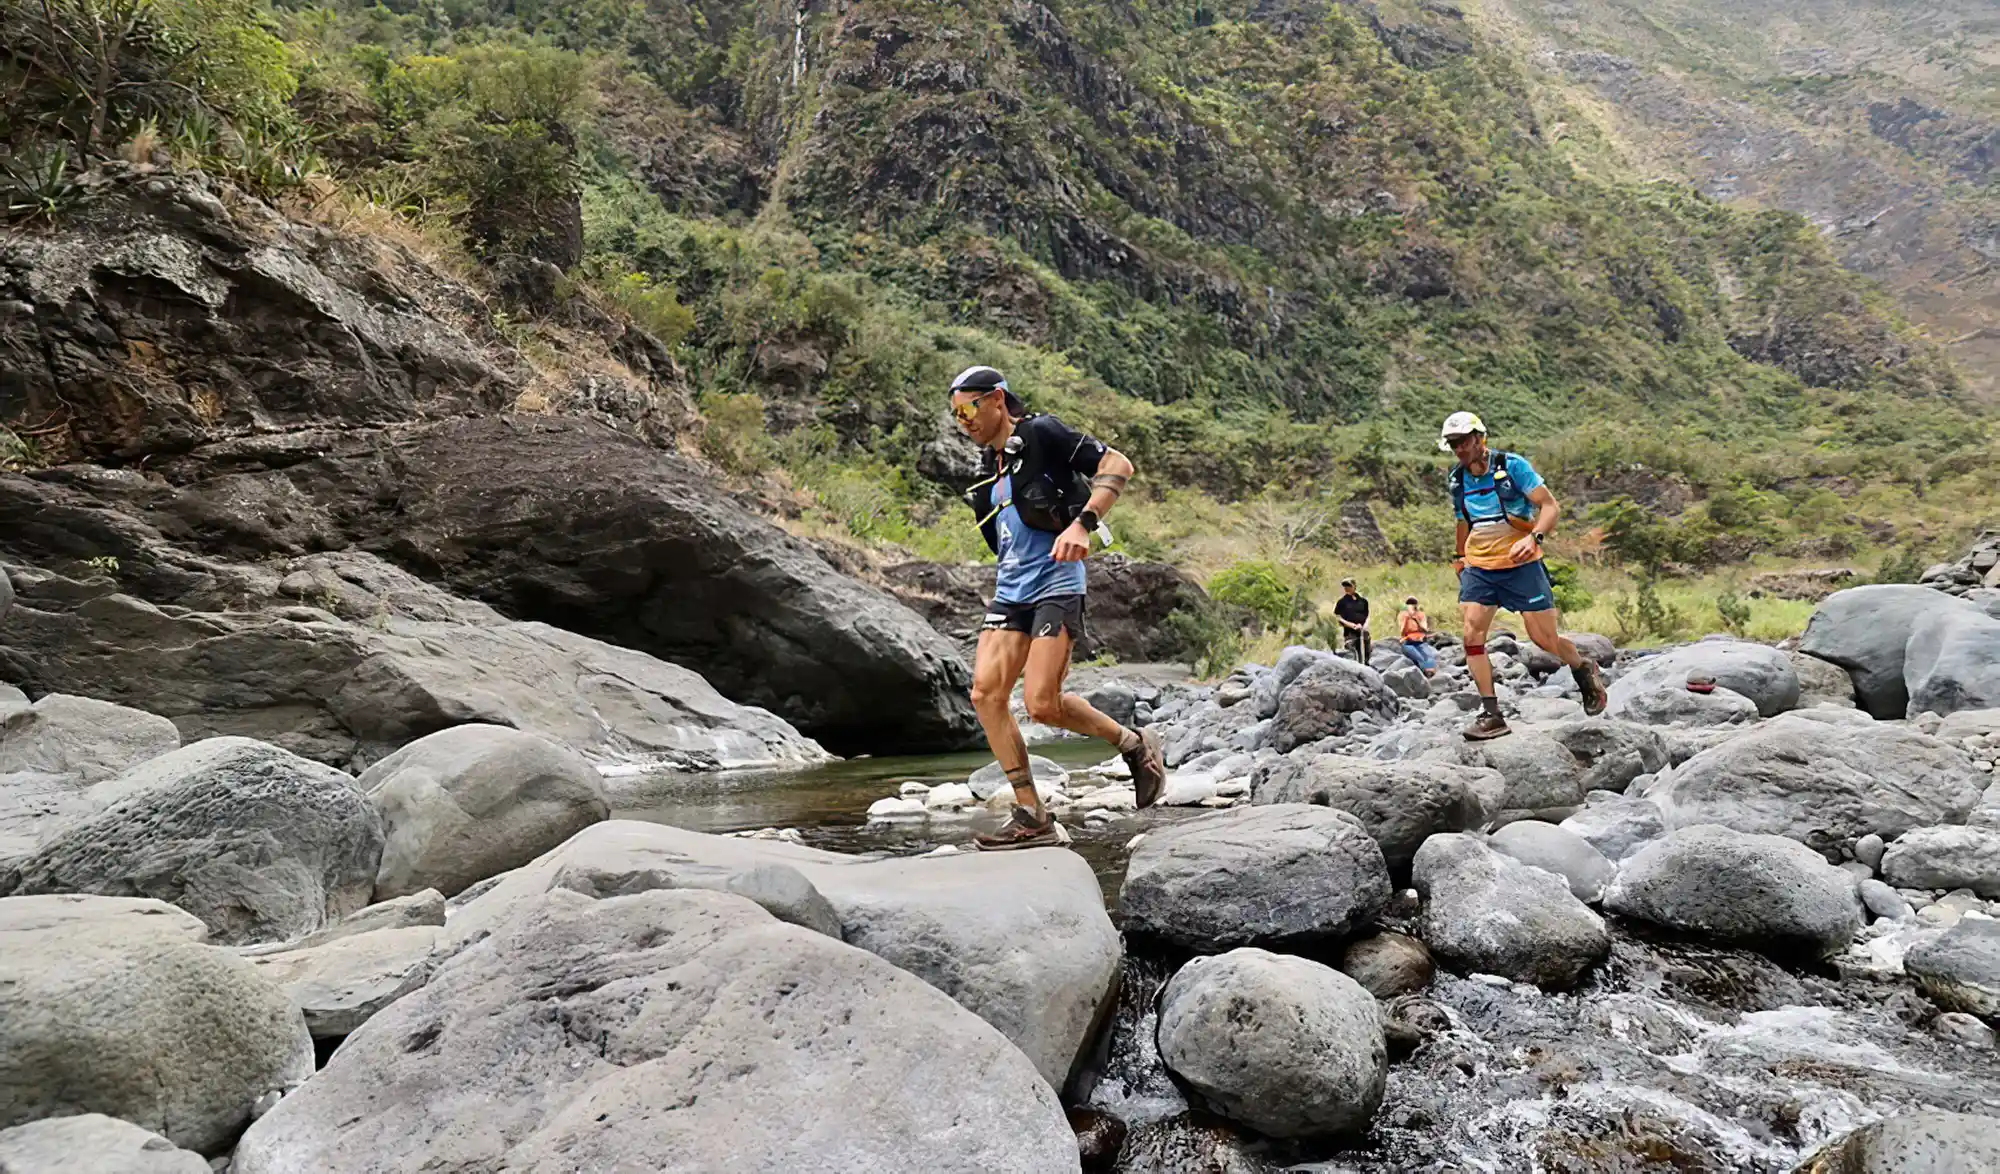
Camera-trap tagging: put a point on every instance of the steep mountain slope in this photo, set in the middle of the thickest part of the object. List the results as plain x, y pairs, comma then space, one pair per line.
1262, 245
1878, 121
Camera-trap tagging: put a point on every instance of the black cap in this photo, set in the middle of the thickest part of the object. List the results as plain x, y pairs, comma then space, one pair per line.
983, 379
1411, 599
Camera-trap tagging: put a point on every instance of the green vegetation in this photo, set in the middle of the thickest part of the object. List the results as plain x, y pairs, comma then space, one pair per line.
1263, 257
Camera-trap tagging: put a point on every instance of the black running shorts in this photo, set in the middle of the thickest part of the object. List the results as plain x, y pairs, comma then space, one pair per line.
1044, 617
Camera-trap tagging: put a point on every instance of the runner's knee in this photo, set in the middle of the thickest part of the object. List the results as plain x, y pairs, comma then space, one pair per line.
1045, 705
986, 693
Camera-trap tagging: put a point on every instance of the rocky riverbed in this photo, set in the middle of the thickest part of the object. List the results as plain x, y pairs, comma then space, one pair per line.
1750, 929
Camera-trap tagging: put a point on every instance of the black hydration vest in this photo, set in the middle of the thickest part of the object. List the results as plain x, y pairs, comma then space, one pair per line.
1048, 492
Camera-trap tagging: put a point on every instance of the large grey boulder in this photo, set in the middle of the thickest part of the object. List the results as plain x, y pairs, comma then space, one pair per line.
94, 1143
1960, 968
1758, 891
1400, 803
1039, 965
1616, 828
1324, 699
644, 554
1822, 682
1564, 853
128, 916
425, 908
1757, 671
1922, 1141
1598, 648
1953, 662
88, 740
1487, 912
673, 1031
1822, 785
474, 801
1286, 1046
1669, 704
1949, 857
339, 984
52, 751
1866, 630
1287, 876
108, 1013
261, 844
1612, 753
343, 658
1540, 771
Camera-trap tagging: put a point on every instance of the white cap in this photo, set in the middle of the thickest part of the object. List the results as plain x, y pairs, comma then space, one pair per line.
1459, 424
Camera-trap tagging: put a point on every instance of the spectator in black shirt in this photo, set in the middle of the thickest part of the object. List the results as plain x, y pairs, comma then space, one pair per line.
1351, 609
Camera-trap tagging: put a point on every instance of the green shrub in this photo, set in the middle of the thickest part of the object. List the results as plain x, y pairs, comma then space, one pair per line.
733, 433
1734, 611
1208, 637
655, 308
1567, 581
1261, 587
1645, 614
1902, 565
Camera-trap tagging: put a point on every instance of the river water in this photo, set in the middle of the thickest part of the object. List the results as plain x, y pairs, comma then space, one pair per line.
1672, 1057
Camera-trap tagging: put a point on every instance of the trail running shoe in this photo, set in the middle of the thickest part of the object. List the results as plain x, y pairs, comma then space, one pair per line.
1590, 683
1487, 727
1149, 768
1022, 831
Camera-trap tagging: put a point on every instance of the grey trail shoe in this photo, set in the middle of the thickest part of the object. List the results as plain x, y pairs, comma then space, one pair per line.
1149, 767
1023, 831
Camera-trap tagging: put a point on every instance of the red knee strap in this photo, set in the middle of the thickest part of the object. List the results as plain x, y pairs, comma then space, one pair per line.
1475, 650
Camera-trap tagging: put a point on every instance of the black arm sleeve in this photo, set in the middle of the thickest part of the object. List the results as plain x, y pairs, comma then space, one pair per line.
1066, 445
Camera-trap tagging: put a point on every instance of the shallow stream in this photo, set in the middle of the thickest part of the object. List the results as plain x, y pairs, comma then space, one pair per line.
1672, 1057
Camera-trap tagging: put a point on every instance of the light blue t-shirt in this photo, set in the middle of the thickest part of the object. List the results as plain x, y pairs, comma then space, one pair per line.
1482, 494
1029, 572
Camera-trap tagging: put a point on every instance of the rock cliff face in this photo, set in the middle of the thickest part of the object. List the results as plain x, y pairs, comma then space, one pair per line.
235, 393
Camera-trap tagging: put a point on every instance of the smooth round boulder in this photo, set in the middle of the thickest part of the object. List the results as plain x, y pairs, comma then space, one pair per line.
1617, 827
1952, 662
89, 740
1284, 1045
1541, 773
1761, 892
1612, 753
1866, 630
1489, 913
1670, 703
1948, 857
261, 844
1564, 853
1285, 875
1756, 671
1960, 968
1325, 699
679, 1031
144, 1025
92, 1143
1822, 785
1388, 964
1400, 803
1926, 1141
473, 801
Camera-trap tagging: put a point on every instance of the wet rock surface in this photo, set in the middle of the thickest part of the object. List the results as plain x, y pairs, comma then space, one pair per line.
1289, 875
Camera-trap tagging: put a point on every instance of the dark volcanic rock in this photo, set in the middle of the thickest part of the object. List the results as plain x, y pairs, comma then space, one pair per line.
560, 520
